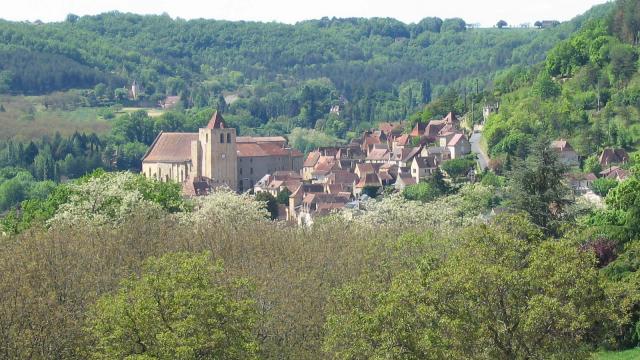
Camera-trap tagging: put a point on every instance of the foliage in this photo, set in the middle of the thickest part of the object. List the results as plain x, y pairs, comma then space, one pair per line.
458, 167
537, 188
423, 191
502, 294
602, 186
180, 307
271, 204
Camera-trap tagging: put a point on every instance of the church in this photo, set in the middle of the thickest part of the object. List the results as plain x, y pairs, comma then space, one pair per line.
215, 156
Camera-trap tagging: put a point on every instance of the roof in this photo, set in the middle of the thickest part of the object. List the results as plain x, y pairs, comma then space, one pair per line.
259, 149
216, 122
384, 176
580, 176
406, 179
403, 140
261, 139
425, 162
612, 156
390, 128
456, 139
370, 179
312, 159
342, 177
171, 147
378, 154
561, 145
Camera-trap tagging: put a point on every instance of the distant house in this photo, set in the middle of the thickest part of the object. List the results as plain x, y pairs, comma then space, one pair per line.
459, 146
615, 172
404, 180
170, 102
580, 183
566, 154
612, 156
422, 167
368, 181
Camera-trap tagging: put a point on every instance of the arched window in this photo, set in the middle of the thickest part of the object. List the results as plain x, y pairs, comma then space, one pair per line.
206, 137
221, 138
229, 138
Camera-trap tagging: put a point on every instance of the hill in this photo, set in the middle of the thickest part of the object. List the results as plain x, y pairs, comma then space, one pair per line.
377, 69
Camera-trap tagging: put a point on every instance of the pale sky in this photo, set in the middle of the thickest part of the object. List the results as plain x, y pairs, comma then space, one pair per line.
485, 12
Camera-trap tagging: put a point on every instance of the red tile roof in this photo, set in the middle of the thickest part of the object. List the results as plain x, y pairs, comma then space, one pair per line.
171, 147
260, 149
455, 139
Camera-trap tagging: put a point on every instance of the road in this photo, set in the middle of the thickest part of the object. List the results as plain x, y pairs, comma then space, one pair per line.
483, 159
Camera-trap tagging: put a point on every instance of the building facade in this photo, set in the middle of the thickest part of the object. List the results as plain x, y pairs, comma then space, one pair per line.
215, 156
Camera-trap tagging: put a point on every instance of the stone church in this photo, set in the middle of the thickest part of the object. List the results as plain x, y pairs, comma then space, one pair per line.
215, 156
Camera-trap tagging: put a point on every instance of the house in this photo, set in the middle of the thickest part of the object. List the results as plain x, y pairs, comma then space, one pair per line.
612, 156
401, 142
315, 204
458, 146
422, 167
170, 102
435, 127
366, 168
215, 156
566, 154
580, 183
378, 156
391, 129
440, 153
404, 180
296, 198
368, 181
615, 172
309, 163
403, 157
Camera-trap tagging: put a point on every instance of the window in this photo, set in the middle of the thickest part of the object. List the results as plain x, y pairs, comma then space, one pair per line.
221, 138
206, 137
251, 172
229, 137
240, 171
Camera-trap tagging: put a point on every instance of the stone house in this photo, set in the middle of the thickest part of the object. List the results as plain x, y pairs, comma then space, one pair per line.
566, 154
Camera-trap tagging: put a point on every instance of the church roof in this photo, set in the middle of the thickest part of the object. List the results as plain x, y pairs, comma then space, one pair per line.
171, 147
216, 122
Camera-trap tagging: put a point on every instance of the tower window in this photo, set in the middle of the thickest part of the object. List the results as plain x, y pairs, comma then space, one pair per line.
229, 137
221, 138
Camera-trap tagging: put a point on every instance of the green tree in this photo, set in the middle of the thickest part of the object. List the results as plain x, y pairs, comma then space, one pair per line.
283, 197
592, 165
423, 191
458, 167
500, 294
536, 187
270, 202
602, 186
180, 307
501, 24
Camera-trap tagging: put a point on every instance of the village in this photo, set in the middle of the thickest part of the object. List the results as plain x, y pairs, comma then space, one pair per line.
328, 179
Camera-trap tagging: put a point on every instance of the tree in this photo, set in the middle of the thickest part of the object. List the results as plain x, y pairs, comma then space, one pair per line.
592, 165
270, 203
500, 294
180, 307
423, 191
501, 24
283, 197
536, 187
453, 25
458, 167
602, 186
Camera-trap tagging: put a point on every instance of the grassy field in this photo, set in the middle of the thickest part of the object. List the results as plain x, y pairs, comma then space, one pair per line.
25, 118
632, 354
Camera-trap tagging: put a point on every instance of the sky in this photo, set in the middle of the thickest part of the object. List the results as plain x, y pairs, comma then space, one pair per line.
484, 12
